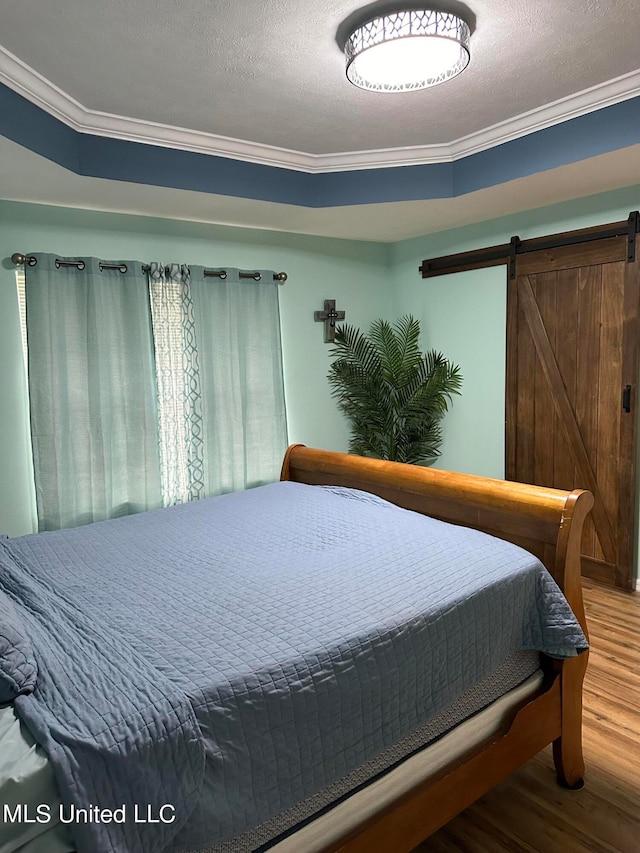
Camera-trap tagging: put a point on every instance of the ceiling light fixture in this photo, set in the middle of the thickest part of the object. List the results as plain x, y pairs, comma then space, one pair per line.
407, 50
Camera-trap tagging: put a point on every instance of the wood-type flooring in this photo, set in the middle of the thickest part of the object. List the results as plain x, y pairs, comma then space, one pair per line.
529, 811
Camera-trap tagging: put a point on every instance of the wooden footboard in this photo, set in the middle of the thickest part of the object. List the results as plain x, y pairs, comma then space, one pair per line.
548, 523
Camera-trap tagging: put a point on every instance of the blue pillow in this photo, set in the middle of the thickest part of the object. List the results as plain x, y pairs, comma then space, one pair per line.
18, 669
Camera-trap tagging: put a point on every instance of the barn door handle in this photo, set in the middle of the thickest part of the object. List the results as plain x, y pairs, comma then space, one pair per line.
626, 398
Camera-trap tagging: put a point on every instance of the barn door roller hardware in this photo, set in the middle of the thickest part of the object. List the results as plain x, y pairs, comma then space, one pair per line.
514, 243
507, 253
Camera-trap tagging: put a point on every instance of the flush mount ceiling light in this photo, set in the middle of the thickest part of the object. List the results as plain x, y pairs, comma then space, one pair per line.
407, 50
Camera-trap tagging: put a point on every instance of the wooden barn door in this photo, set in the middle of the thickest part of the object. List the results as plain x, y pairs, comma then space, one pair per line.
572, 354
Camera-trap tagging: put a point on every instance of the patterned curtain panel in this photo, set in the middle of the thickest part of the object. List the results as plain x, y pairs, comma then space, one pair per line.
219, 375
92, 391
178, 381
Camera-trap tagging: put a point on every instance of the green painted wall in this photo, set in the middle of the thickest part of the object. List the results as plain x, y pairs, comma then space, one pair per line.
464, 317
354, 273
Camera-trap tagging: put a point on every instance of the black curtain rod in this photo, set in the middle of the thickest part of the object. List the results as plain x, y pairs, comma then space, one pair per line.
20, 259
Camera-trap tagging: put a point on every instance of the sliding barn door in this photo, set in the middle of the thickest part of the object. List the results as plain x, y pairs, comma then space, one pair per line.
572, 355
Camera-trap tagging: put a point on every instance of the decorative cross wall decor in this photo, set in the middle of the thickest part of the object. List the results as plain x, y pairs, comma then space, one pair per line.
329, 317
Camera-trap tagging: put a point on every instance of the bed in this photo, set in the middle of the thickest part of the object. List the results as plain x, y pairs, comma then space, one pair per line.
318, 664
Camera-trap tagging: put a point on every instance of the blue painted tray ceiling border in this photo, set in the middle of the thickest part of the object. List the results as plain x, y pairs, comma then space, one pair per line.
611, 128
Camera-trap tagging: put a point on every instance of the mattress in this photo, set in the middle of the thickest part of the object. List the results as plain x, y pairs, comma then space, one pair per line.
420, 767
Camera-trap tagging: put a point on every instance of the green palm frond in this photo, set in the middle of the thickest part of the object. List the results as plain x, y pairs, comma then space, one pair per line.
394, 395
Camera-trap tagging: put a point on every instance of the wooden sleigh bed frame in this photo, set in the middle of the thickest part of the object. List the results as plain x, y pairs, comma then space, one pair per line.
548, 523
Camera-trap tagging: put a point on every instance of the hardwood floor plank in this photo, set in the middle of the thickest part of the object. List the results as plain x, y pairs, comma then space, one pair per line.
529, 811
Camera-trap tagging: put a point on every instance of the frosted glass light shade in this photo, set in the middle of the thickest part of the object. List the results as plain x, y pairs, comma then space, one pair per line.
409, 50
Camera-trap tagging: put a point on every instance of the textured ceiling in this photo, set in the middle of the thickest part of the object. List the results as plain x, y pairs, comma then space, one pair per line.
273, 73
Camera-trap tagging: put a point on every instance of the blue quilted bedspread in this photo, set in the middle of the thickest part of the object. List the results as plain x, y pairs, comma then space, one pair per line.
232, 656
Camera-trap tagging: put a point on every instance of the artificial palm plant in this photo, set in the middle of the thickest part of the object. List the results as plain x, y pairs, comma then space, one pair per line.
394, 395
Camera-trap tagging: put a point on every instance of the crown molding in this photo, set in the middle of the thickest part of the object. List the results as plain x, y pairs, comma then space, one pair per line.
587, 101
24, 80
